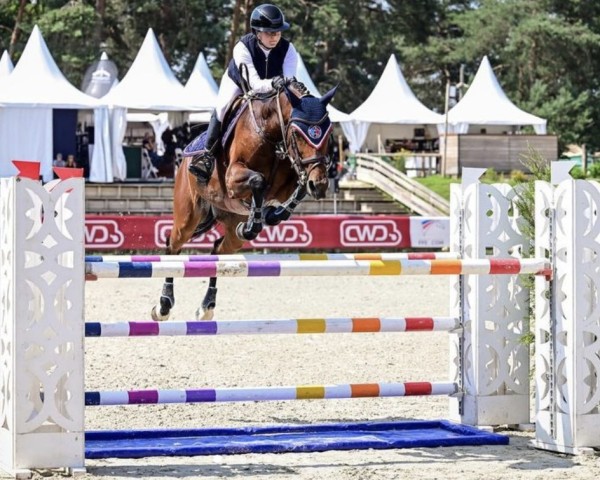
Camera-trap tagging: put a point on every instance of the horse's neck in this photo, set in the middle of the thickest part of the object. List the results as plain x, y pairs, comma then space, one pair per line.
269, 113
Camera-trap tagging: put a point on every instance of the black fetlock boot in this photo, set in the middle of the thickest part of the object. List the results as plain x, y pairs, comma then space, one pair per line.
202, 164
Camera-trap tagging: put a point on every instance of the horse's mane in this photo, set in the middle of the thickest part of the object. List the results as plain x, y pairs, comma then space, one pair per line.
269, 106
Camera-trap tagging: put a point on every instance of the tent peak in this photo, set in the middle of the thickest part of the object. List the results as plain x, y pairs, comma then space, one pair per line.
486, 103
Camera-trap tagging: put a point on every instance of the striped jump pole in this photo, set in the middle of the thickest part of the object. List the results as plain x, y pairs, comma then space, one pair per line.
256, 394
274, 257
282, 326
291, 268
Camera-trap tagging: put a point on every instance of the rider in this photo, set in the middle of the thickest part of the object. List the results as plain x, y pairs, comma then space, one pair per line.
271, 62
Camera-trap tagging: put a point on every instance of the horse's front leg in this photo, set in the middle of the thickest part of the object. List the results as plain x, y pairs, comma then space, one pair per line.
276, 215
162, 311
240, 182
189, 217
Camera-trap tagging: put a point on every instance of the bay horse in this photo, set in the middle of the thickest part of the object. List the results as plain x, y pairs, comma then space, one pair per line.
277, 155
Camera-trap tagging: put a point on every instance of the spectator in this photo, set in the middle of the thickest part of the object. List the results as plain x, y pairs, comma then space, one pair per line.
58, 161
148, 145
71, 163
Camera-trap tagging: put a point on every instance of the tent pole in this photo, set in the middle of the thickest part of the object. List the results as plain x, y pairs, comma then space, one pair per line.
446, 102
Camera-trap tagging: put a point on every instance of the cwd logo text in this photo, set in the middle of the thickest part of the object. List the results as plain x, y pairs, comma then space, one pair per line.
103, 234
162, 229
292, 233
370, 233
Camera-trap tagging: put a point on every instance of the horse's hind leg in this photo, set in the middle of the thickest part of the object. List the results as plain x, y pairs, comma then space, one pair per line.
228, 243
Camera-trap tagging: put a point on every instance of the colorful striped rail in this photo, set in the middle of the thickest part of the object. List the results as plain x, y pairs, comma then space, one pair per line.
255, 394
250, 257
283, 326
290, 268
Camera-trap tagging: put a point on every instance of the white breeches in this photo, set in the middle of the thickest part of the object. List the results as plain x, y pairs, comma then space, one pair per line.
228, 90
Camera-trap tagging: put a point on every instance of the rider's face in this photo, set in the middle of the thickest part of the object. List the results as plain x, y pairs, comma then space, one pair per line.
269, 39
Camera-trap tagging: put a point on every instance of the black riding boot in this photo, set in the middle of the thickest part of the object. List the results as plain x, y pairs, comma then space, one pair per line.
202, 164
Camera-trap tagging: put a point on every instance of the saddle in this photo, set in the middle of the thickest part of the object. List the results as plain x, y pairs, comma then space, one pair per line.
234, 111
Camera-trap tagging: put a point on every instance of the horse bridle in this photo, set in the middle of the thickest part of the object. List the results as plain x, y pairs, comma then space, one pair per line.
285, 150
302, 166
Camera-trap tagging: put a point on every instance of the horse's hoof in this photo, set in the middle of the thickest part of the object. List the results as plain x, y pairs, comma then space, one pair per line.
156, 315
245, 234
205, 314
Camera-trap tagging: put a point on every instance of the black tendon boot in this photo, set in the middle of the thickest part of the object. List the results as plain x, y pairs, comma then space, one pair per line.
202, 164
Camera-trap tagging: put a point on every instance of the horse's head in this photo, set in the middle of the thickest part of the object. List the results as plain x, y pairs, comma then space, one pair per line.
307, 136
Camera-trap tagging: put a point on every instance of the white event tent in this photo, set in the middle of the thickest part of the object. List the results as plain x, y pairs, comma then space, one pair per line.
392, 110
28, 95
6, 66
302, 74
151, 85
203, 86
148, 86
485, 104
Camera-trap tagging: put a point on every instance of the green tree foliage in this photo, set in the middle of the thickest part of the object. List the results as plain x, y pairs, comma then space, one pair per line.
543, 53
546, 53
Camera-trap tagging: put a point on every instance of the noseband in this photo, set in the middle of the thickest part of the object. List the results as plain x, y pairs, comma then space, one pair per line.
302, 165
289, 145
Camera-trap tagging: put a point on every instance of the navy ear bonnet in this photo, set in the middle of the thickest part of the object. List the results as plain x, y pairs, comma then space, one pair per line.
310, 119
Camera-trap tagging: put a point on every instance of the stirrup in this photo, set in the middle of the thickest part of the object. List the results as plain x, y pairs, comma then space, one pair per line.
202, 166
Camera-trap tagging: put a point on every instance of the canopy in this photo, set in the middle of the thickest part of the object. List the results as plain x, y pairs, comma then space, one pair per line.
201, 85
28, 95
392, 102
302, 74
37, 81
6, 66
150, 84
485, 103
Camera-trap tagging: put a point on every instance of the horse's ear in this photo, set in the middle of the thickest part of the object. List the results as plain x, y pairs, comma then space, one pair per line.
294, 100
325, 99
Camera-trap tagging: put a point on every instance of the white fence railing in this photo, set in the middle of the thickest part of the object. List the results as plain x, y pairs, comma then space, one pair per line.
400, 186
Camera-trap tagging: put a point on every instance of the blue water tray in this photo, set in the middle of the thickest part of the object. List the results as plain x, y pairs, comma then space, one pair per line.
284, 438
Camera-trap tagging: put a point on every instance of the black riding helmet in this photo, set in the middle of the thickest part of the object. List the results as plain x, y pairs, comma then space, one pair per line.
268, 18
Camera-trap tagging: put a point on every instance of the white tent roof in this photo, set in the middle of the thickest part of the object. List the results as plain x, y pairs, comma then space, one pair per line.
201, 85
485, 103
150, 84
37, 81
6, 65
392, 101
302, 74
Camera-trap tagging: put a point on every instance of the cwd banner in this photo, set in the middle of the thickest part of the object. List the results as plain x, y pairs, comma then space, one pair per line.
308, 232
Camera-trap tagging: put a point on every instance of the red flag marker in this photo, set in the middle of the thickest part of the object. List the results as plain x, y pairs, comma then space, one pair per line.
27, 169
67, 172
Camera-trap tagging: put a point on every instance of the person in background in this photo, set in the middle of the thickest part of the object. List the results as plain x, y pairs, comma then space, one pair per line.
271, 62
149, 147
71, 163
58, 161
